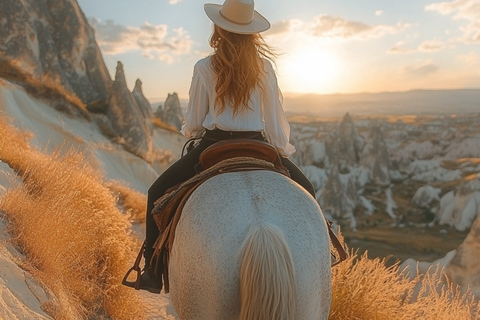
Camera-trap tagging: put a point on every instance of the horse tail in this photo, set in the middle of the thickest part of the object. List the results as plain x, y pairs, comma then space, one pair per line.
267, 276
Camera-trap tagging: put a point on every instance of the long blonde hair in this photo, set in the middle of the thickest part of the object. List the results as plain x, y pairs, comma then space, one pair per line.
238, 66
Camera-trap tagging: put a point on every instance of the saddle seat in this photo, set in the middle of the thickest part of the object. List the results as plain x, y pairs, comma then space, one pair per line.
233, 148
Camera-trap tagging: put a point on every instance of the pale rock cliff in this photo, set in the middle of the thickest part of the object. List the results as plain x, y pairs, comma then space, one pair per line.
51, 41
464, 268
52, 38
143, 105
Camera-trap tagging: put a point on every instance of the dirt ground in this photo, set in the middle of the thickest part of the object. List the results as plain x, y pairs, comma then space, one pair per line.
401, 243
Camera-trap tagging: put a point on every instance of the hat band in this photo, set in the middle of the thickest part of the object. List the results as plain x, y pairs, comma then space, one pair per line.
230, 20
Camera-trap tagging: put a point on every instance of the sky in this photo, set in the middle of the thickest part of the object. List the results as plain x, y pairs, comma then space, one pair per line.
340, 46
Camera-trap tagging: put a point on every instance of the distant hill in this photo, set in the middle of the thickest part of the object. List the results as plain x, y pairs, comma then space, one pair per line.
420, 102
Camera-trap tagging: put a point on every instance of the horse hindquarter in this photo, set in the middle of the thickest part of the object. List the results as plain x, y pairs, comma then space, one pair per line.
252, 213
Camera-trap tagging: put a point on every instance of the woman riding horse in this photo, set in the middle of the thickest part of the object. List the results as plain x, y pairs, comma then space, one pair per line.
233, 94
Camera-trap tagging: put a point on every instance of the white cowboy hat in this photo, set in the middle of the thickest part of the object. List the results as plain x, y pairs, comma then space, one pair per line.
237, 16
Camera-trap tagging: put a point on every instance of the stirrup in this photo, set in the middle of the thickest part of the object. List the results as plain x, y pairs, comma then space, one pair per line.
136, 267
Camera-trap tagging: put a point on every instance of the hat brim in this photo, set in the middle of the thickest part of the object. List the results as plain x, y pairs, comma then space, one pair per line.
258, 24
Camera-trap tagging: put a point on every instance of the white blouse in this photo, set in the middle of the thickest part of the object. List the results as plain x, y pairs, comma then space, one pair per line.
266, 114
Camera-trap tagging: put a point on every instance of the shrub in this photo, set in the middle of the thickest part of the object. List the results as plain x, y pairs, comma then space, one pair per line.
365, 289
45, 88
134, 202
66, 222
160, 124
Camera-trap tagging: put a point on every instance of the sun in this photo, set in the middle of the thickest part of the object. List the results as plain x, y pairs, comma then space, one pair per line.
309, 69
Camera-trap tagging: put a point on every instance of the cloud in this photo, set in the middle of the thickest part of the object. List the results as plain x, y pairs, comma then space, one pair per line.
472, 59
172, 2
155, 41
378, 13
399, 48
431, 46
427, 46
422, 69
336, 27
468, 10
333, 27
284, 26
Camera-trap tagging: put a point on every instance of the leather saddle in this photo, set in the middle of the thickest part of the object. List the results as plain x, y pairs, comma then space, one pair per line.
232, 148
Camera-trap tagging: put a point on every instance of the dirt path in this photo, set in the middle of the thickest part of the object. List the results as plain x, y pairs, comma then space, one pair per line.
158, 306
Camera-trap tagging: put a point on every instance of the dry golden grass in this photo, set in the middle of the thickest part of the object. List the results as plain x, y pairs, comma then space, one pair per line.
159, 123
44, 88
133, 201
365, 289
74, 238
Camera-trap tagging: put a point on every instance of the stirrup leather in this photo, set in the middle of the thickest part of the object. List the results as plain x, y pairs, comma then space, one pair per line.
342, 253
136, 268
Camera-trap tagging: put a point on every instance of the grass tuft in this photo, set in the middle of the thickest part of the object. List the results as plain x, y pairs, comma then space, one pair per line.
66, 222
43, 88
160, 124
366, 289
134, 202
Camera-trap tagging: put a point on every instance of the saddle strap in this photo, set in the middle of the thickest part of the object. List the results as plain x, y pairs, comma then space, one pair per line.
343, 255
164, 242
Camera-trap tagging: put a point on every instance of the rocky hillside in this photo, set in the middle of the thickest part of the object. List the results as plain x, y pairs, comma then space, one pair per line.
48, 47
368, 165
403, 187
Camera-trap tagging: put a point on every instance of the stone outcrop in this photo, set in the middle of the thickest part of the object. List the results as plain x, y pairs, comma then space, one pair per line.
50, 41
346, 144
463, 268
143, 105
171, 113
339, 198
460, 207
425, 196
127, 118
374, 157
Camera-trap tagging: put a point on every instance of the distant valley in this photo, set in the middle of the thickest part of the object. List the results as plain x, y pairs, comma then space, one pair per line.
415, 102
418, 102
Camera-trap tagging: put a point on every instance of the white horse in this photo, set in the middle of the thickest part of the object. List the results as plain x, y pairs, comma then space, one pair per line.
251, 245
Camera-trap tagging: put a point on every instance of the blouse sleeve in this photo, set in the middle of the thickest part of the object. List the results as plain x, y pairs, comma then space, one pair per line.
197, 107
277, 128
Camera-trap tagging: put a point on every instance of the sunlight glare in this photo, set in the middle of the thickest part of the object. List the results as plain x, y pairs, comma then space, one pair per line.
310, 69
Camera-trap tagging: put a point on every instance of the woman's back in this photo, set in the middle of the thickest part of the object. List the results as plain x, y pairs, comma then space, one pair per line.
262, 113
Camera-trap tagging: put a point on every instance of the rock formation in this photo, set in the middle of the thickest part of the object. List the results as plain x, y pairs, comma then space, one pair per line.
339, 198
425, 196
463, 268
461, 206
143, 104
171, 113
345, 145
127, 118
49, 42
374, 157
